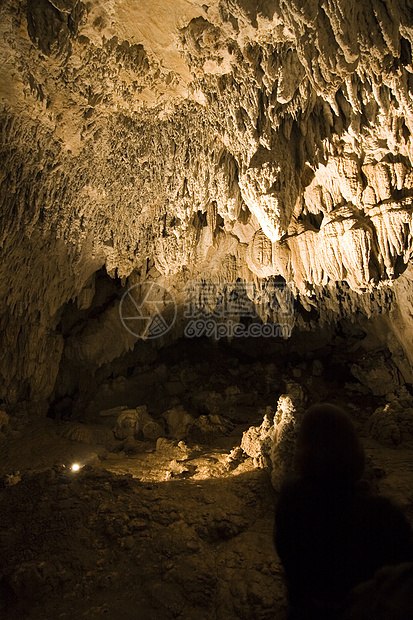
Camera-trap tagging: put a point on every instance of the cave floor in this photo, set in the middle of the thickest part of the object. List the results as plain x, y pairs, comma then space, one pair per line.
166, 529
101, 544
161, 533
158, 534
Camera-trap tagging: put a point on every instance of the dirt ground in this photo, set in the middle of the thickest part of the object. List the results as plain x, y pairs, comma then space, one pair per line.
99, 544
157, 530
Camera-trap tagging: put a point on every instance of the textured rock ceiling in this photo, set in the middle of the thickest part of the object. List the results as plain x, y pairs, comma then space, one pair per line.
175, 139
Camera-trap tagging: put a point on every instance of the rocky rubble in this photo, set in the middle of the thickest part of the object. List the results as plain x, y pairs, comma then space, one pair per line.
181, 522
377, 373
103, 544
392, 424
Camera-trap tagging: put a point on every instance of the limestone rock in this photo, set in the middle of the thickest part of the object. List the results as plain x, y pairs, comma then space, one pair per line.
257, 441
126, 424
145, 424
131, 446
272, 444
191, 550
172, 448
287, 418
176, 470
382, 425
114, 411
178, 422
234, 458
400, 358
183, 141
377, 373
392, 424
210, 401
8, 480
87, 433
206, 428
137, 422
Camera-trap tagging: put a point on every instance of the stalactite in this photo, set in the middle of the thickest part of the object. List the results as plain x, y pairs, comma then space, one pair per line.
233, 141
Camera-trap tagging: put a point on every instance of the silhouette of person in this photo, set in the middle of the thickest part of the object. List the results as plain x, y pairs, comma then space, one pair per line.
331, 532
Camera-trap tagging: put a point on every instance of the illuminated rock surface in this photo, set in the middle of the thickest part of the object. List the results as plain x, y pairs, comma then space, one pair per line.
179, 140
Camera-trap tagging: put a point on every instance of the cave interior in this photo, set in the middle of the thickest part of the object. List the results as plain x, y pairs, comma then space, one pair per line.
206, 227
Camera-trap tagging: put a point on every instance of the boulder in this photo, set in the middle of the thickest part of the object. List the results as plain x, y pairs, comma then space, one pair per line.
126, 424
393, 423
178, 422
377, 373
147, 426
137, 423
206, 428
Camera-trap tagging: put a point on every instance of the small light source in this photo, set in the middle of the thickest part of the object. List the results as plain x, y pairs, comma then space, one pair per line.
75, 467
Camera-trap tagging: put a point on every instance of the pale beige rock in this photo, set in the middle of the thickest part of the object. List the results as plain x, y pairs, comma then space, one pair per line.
257, 442
177, 141
287, 418
178, 422
272, 444
126, 424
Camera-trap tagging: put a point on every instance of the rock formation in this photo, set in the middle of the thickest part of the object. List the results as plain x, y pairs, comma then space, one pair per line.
177, 141
169, 168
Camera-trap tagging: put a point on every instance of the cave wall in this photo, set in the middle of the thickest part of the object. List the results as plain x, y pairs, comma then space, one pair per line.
181, 140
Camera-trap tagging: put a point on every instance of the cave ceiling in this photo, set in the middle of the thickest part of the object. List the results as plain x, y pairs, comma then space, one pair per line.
179, 140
